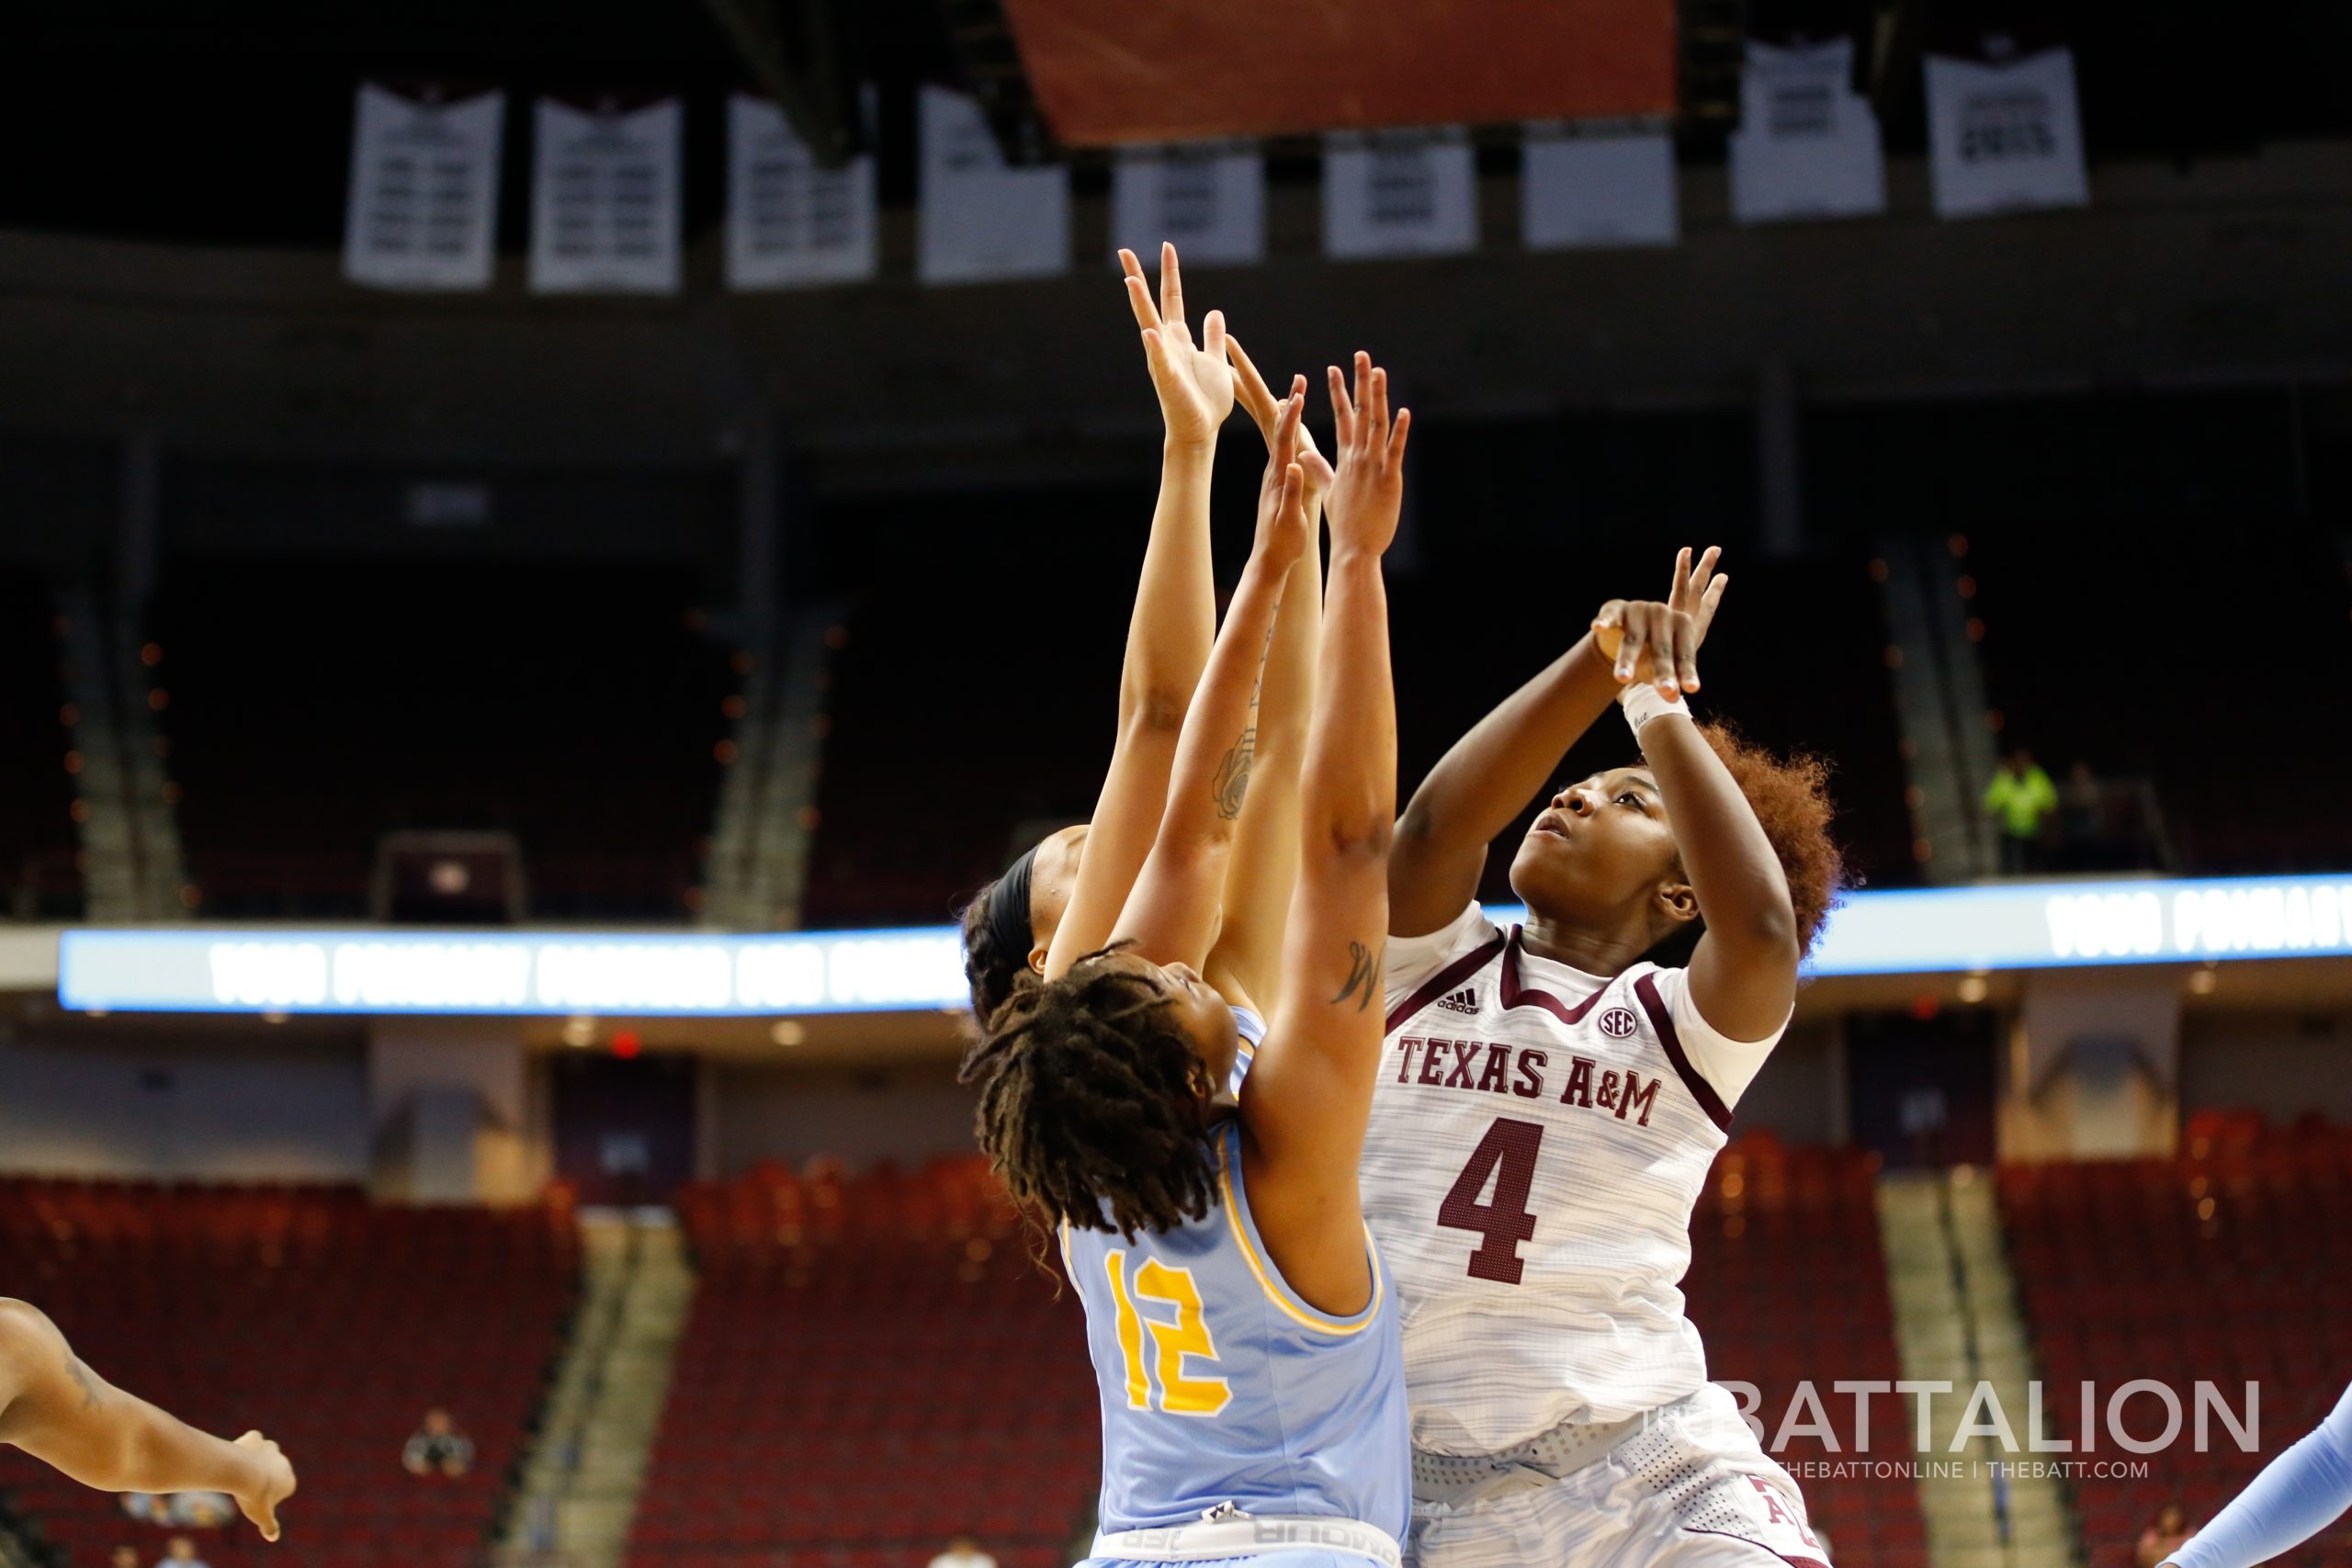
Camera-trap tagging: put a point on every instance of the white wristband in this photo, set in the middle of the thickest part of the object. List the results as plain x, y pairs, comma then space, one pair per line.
1643, 702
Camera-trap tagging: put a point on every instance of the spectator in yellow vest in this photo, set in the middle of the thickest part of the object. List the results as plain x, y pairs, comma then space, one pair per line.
2020, 796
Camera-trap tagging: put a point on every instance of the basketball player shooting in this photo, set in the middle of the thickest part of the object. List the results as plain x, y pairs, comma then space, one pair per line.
1551, 1102
61, 1413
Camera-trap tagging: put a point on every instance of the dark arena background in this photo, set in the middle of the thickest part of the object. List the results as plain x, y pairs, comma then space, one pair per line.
545, 550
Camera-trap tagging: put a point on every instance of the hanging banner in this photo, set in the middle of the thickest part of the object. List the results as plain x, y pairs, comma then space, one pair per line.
1399, 194
1211, 202
604, 195
788, 220
1590, 191
424, 201
1807, 144
2006, 134
982, 219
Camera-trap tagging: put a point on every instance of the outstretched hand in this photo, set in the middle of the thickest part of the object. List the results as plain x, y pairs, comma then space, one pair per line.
1649, 641
1368, 492
1266, 410
272, 1483
1195, 384
1285, 533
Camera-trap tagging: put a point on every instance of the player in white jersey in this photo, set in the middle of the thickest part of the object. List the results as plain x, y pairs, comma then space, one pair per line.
1551, 1101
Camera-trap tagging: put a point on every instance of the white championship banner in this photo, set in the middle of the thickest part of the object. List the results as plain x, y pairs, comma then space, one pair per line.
982, 220
1807, 144
2005, 136
788, 220
605, 197
424, 201
1598, 190
1399, 194
1211, 201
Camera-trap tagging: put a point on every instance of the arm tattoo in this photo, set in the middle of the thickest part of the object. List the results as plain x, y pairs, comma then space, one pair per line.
1363, 975
1232, 782
81, 1376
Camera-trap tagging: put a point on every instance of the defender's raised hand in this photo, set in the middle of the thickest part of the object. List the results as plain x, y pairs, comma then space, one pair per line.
1284, 532
1195, 384
1659, 642
1266, 411
1368, 492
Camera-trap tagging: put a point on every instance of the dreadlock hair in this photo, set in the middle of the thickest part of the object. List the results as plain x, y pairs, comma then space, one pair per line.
989, 968
1791, 798
1091, 1101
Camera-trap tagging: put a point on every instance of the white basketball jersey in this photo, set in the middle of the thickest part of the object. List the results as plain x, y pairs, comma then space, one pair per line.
1538, 1139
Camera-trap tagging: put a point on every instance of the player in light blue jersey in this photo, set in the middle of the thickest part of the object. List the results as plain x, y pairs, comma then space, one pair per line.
1242, 1328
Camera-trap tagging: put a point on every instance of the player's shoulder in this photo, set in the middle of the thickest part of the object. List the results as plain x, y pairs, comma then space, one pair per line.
1429, 962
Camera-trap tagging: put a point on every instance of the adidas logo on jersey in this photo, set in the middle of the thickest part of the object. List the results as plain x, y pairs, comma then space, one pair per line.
1462, 1000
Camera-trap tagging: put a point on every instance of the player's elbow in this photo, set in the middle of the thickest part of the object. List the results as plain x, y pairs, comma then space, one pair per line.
1152, 707
1362, 835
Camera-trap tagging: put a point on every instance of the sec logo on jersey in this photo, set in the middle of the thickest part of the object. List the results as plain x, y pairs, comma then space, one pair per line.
1618, 1023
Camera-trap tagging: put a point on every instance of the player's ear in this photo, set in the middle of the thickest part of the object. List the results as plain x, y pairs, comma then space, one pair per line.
1676, 902
1037, 960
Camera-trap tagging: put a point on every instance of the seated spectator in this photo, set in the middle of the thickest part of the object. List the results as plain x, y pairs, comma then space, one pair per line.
181, 1554
437, 1447
201, 1510
963, 1552
2020, 796
123, 1557
2164, 1536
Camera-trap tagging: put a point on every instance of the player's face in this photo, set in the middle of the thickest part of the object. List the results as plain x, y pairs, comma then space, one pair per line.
1053, 875
1599, 848
1204, 1016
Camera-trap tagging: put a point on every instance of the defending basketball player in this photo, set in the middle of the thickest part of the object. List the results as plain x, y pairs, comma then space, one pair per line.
1551, 1102
58, 1410
1242, 1329
1010, 924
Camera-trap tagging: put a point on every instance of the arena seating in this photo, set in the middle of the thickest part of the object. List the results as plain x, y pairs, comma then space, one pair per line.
37, 874
876, 1363
1788, 1285
2226, 1265
328, 1323
313, 708
872, 1365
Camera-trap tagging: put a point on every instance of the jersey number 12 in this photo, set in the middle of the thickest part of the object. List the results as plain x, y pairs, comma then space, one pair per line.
1506, 1157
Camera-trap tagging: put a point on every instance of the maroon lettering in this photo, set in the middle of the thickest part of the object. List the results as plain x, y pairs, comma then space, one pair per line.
1639, 1095
1775, 1514
1531, 1074
1432, 1064
1507, 1155
1498, 1069
1580, 1089
1409, 1045
1606, 1098
1466, 1051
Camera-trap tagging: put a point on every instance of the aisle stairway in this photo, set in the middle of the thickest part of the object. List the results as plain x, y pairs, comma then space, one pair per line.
1956, 1321
581, 1481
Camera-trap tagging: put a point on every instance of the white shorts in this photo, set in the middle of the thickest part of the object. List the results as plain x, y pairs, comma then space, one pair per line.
1693, 1488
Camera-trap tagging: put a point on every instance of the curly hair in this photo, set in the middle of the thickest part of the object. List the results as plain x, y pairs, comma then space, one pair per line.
989, 969
1791, 798
1091, 1102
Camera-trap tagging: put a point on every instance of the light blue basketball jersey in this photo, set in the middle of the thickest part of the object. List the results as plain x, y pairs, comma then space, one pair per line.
1219, 1385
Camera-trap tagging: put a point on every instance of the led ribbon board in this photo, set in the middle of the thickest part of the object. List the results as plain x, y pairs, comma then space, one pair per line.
2026, 925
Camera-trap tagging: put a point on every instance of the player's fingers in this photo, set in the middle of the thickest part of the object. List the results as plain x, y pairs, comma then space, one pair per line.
1285, 439
1632, 644
1378, 412
1155, 354
1139, 301
1343, 411
1678, 591
1684, 676
1363, 394
1708, 599
1705, 570
1251, 387
1213, 334
1396, 436
1172, 284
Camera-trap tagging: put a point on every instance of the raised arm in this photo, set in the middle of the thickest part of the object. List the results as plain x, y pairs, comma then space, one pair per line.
1175, 623
1743, 973
1309, 1090
61, 1413
1173, 910
1490, 774
1261, 871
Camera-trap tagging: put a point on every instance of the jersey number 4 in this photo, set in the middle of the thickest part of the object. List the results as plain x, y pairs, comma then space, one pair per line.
1159, 1285
1506, 1155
